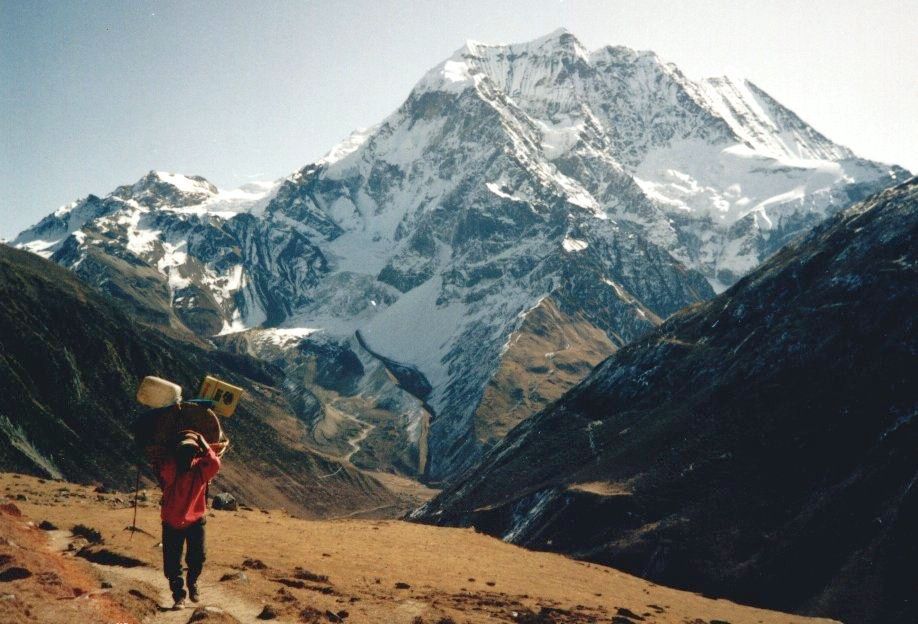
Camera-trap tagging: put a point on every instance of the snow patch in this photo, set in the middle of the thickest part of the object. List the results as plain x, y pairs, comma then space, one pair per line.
285, 336
348, 146
574, 244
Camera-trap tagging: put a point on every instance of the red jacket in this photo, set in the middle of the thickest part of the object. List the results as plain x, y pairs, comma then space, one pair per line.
185, 494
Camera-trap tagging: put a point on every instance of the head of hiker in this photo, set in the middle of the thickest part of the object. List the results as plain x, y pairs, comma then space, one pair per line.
186, 451
184, 477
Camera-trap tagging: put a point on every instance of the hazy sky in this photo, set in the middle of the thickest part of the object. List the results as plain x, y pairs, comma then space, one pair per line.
95, 94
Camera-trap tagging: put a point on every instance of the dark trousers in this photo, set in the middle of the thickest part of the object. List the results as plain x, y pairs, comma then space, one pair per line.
173, 542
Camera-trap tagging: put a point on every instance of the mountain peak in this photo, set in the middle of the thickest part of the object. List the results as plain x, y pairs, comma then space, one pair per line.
184, 183
159, 188
558, 37
558, 40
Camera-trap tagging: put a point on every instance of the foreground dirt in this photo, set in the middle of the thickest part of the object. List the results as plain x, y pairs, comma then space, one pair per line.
355, 571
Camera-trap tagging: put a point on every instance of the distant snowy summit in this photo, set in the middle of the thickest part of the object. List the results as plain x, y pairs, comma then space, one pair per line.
157, 191
520, 191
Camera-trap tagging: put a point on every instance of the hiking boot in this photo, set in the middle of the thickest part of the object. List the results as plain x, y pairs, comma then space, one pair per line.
179, 604
193, 594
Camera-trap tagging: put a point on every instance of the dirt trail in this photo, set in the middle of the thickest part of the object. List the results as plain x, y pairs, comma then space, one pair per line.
213, 594
357, 440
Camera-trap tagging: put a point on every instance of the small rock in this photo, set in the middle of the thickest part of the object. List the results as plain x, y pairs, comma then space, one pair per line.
628, 613
401, 585
235, 576
306, 575
90, 534
11, 509
211, 614
268, 613
106, 585
284, 596
254, 564
309, 614
22, 497
45, 525
50, 578
14, 573
225, 502
289, 582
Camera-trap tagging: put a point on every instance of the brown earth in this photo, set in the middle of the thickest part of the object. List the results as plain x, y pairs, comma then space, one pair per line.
355, 571
549, 354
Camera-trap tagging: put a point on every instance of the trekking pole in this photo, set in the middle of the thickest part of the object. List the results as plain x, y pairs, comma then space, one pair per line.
136, 491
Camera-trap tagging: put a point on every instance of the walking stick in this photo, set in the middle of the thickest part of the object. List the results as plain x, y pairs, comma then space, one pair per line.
136, 491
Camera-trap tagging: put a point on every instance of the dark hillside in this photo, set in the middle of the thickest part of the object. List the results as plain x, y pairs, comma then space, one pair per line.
762, 445
70, 361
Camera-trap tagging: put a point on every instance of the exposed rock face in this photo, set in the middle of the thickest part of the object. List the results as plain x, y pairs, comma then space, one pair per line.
605, 180
70, 362
759, 446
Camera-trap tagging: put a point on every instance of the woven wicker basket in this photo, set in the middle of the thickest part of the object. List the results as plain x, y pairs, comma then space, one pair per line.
166, 427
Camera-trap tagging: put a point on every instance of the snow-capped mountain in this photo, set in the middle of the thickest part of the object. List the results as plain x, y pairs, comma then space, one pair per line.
520, 191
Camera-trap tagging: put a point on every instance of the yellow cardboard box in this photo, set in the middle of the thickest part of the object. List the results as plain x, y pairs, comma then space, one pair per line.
225, 396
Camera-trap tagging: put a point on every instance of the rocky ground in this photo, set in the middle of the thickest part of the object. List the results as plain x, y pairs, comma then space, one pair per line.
67, 555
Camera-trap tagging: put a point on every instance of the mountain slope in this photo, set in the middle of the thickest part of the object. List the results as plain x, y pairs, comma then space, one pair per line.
70, 362
759, 446
606, 180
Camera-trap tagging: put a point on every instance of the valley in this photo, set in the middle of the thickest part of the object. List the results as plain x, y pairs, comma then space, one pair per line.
408, 258
760, 444
567, 337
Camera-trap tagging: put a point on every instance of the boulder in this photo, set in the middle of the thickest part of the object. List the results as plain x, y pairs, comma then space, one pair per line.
268, 613
225, 502
14, 573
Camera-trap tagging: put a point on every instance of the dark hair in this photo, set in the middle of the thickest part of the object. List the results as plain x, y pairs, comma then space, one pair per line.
184, 455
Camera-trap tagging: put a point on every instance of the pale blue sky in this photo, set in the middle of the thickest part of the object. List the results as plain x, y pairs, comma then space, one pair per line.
95, 94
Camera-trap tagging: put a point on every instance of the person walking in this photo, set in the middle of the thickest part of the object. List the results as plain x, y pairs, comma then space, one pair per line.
184, 477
